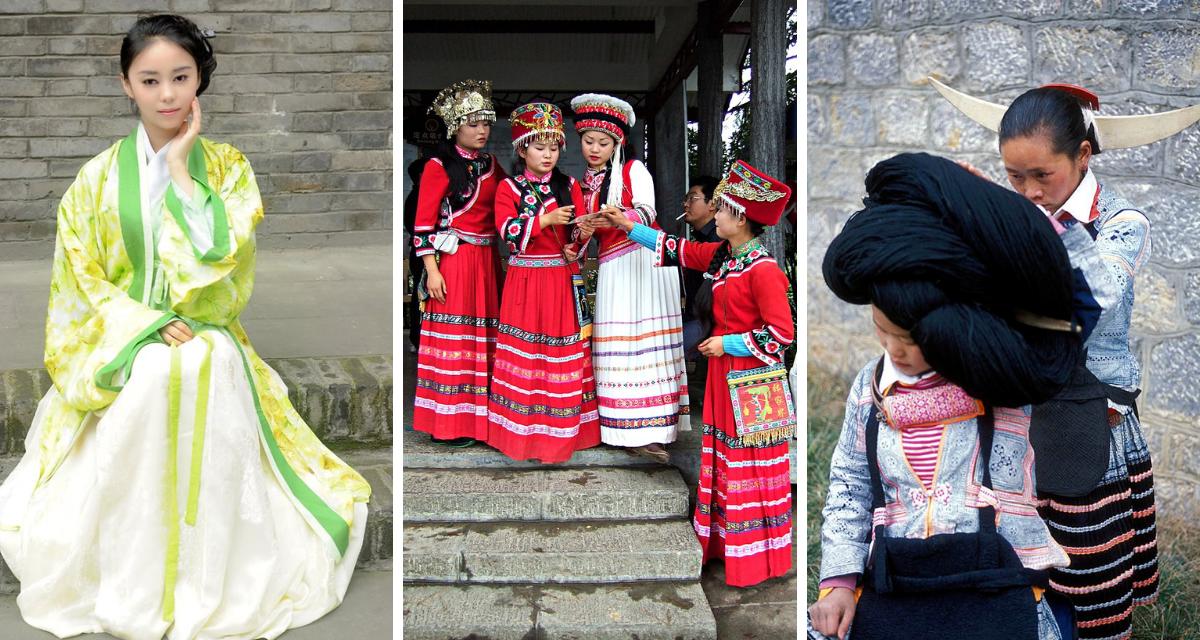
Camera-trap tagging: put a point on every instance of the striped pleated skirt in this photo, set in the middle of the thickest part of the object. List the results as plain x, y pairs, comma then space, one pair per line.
1111, 538
744, 499
542, 403
458, 339
637, 349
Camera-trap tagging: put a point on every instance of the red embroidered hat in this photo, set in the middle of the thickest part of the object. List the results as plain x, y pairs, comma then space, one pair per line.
598, 112
754, 194
537, 122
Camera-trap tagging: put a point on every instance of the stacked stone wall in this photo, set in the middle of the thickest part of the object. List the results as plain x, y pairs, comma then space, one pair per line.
868, 100
302, 87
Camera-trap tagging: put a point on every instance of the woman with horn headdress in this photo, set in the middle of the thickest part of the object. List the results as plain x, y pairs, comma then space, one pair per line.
744, 502
641, 377
455, 238
1102, 512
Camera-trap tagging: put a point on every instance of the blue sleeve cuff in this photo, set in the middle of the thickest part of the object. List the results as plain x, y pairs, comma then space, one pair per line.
644, 236
734, 345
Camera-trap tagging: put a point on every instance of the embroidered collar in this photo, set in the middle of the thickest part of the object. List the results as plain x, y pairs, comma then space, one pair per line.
745, 249
532, 193
593, 179
466, 153
741, 258
534, 179
1082, 203
942, 403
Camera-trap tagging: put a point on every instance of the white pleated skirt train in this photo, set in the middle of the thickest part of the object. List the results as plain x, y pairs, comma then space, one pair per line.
91, 545
637, 352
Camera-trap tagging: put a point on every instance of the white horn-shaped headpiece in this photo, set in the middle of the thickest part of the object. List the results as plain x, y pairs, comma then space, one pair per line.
1115, 132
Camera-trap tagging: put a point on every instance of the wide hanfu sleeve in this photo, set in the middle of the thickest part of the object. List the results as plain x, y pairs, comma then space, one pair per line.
93, 328
209, 280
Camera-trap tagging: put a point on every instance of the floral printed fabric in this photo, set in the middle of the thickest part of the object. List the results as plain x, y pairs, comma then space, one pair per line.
93, 323
943, 404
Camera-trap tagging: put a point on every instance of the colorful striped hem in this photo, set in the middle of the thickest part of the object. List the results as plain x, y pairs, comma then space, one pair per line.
450, 410
640, 337
542, 357
663, 347
755, 548
541, 429
1068, 508
626, 322
1083, 551
1112, 565
539, 392
1121, 577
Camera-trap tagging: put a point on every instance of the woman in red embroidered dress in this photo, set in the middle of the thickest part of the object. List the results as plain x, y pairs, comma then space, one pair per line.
455, 238
744, 506
543, 397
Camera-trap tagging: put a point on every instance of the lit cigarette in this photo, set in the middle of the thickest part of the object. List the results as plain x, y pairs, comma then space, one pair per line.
680, 216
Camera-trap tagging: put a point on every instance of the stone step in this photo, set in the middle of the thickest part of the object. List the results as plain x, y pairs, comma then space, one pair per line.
484, 495
551, 552
376, 467
647, 611
420, 452
346, 400
364, 613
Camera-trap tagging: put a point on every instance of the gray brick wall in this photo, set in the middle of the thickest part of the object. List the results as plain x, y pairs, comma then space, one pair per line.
303, 88
867, 100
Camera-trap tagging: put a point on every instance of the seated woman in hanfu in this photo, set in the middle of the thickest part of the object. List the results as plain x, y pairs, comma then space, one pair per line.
168, 485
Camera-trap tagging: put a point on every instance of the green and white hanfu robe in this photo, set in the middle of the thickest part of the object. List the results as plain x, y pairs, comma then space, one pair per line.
170, 491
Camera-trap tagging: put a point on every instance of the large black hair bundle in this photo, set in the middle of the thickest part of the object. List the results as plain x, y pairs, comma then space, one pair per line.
952, 258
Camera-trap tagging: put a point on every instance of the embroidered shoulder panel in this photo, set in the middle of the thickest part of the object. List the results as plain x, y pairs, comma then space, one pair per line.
476, 168
517, 230
1110, 204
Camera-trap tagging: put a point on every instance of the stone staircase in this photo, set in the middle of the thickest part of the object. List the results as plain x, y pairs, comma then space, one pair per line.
346, 400
599, 547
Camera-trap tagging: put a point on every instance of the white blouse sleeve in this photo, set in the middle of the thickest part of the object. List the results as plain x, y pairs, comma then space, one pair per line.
642, 188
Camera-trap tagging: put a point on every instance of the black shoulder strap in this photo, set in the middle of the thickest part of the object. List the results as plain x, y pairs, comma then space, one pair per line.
872, 434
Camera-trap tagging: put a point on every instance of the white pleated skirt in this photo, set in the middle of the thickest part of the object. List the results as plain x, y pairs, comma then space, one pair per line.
91, 545
637, 352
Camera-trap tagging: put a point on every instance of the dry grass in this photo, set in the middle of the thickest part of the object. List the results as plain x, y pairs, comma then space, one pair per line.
1176, 615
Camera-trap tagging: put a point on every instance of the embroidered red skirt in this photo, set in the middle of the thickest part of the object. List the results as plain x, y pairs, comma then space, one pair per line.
744, 502
458, 342
543, 394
